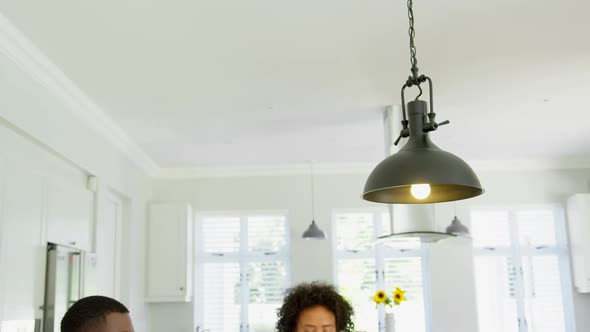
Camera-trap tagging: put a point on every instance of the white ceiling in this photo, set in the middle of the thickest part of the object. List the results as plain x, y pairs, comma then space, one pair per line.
264, 82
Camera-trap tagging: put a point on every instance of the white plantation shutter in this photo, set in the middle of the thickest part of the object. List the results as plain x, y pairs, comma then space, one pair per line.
496, 303
267, 233
406, 273
221, 297
243, 264
354, 231
543, 298
536, 228
521, 282
357, 283
220, 235
267, 282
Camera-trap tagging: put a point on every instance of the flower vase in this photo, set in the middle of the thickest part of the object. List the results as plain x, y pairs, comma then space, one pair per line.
389, 322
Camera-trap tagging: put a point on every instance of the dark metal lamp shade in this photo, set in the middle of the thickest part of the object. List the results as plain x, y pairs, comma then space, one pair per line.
420, 164
449, 177
457, 228
314, 232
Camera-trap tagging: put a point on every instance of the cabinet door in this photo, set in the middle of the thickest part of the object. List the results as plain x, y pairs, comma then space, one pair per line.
22, 253
69, 214
169, 253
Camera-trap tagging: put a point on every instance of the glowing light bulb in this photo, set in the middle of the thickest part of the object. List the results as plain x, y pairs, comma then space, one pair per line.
420, 191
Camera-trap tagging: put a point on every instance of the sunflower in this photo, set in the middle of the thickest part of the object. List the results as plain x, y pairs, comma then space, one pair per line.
380, 297
399, 296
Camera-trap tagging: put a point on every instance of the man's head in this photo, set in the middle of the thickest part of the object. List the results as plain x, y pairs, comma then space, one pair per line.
97, 314
315, 307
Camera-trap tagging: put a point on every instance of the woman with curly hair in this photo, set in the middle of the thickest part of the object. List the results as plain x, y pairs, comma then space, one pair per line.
315, 307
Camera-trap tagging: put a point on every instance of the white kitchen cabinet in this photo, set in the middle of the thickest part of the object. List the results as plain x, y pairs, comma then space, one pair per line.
578, 212
69, 214
169, 253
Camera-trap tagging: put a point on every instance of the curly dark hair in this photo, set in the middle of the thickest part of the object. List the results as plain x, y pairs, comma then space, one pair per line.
89, 312
308, 295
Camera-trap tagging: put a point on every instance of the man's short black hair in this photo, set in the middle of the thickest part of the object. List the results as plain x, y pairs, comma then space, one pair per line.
90, 311
309, 295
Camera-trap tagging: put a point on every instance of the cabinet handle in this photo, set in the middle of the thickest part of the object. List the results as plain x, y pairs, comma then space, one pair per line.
73, 243
182, 288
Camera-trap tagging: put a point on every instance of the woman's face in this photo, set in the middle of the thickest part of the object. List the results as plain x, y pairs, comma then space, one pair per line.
316, 319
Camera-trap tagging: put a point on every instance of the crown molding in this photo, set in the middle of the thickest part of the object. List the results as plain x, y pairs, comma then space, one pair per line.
531, 164
19, 49
357, 168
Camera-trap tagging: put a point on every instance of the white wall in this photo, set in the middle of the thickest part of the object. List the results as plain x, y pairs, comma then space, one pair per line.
37, 115
343, 191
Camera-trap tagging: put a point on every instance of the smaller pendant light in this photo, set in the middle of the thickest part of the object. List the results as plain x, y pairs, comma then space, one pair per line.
313, 232
457, 228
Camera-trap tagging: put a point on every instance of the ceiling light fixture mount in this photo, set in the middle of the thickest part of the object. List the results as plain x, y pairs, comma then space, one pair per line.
420, 172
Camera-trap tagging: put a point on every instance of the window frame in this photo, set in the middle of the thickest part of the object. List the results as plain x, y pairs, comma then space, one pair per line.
242, 257
379, 253
516, 252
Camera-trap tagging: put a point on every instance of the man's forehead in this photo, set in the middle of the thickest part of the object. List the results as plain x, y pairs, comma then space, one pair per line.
117, 322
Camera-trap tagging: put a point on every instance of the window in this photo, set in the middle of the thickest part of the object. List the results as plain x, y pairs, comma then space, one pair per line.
242, 271
521, 270
361, 268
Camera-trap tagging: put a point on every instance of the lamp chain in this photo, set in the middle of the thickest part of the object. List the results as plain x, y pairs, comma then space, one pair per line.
312, 185
412, 33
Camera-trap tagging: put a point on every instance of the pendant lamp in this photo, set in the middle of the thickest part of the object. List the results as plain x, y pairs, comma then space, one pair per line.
457, 228
420, 172
313, 232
